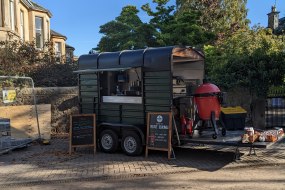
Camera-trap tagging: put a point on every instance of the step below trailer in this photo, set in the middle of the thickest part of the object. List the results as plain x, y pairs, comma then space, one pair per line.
232, 139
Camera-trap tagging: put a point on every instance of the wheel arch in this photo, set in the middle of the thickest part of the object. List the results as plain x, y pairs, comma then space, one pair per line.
104, 126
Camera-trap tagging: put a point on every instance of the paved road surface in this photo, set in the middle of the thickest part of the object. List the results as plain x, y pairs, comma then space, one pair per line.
199, 167
241, 178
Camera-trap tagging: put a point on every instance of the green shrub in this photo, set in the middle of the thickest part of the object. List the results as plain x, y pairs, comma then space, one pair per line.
24, 59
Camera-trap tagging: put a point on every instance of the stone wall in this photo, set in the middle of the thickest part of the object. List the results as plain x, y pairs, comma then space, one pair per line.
63, 100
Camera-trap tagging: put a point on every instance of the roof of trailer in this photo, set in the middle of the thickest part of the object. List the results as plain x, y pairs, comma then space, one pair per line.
149, 58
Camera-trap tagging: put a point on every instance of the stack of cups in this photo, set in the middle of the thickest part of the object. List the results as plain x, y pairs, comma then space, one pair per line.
250, 133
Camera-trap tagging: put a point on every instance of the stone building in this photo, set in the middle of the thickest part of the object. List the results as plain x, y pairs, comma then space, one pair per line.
275, 23
69, 53
27, 21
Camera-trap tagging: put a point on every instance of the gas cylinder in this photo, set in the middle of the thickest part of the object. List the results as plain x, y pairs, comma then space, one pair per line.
189, 126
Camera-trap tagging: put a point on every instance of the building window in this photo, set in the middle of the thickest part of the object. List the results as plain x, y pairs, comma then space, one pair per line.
68, 54
12, 15
57, 47
39, 32
22, 23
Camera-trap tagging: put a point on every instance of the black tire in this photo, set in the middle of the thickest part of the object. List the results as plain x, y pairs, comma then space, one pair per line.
131, 143
108, 141
214, 136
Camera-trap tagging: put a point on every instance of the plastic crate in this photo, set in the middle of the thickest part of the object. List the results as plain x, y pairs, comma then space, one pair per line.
234, 117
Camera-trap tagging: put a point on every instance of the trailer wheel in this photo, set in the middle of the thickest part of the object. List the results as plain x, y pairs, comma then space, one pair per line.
131, 143
108, 141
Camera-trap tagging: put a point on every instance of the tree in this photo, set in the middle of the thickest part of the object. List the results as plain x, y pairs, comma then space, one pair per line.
161, 20
176, 29
19, 58
185, 30
253, 59
127, 31
222, 17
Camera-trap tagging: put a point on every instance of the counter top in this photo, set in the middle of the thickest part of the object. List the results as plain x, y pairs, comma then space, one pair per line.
123, 99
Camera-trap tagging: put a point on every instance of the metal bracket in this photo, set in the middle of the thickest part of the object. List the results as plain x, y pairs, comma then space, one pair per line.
250, 150
237, 154
172, 156
176, 131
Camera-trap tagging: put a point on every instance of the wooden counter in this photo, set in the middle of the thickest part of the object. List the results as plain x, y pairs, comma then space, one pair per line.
122, 99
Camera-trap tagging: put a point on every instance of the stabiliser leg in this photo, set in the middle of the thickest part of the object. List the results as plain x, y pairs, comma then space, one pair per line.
202, 127
224, 131
214, 124
237, 154
251, 149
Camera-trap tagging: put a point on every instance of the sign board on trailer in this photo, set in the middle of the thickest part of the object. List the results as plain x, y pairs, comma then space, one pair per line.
82, 131
159, 131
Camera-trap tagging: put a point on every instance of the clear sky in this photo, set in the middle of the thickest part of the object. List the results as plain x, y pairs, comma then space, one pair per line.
80, 20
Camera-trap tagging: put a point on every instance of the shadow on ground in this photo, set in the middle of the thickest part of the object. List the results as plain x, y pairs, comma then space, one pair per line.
57, 155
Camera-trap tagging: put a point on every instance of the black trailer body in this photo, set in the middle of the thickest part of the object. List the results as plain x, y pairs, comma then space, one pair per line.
122, 87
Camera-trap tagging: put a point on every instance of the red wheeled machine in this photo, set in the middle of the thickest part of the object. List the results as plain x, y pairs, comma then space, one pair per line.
208, 99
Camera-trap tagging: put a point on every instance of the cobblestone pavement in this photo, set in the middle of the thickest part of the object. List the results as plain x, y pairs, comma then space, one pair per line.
39, 164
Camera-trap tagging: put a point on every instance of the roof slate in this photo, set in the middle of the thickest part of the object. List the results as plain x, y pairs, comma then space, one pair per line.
35, 6
54, 33
69, 46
